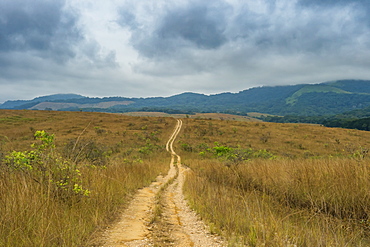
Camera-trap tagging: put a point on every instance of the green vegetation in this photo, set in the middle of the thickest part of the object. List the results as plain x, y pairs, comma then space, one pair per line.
17, 120
313, 89
357, 119
58, 177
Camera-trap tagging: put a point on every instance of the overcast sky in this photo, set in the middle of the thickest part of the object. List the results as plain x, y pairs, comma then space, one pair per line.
141, 48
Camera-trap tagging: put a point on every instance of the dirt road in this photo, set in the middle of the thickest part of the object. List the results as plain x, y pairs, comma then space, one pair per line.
159, 216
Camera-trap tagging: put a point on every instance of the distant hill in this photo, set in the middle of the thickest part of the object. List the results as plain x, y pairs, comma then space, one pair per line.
328, 98
64, 105
28, 104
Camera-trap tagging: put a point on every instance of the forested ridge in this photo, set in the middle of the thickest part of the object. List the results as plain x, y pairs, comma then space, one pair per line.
339, 103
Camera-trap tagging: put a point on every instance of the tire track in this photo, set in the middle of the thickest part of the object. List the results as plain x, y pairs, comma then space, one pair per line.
162, 202
133, 227
178, 224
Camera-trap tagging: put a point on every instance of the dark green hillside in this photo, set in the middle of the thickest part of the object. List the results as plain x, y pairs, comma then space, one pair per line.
259, 95
25, 104
309, 89
360, 124
354, 86
313, 104
355, 119
322, 99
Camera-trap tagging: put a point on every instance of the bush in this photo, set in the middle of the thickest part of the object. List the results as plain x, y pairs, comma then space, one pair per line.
45, 167
238, 155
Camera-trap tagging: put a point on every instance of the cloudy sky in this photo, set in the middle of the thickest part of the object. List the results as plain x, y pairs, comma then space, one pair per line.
141, 48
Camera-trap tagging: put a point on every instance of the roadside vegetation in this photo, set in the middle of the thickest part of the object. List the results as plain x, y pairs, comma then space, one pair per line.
264, 184
64, 176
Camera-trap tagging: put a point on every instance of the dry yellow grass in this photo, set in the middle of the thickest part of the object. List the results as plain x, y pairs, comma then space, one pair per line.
284, 140
223, 116
257, 183
309, 188
152, 114
115, 154
252, 217
209, 116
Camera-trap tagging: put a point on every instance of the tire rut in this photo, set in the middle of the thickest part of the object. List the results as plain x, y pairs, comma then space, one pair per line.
178, 224
159, 216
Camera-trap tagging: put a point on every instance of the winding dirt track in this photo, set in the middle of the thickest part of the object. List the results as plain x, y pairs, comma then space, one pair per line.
175, 225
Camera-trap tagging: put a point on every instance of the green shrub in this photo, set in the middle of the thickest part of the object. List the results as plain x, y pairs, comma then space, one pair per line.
44, 166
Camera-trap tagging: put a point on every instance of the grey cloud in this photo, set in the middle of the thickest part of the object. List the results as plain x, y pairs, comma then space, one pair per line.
196, 24
206, 27
182, 45
44, 49
127, 18
296, 30
31, 76
330, 3
39, 38
246, 24
39, 26
361, 8
204, 36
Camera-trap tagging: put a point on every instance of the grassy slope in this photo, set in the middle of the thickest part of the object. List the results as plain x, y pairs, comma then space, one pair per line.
313, 89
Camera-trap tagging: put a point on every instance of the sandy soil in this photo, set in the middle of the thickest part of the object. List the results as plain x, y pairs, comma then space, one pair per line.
174, 224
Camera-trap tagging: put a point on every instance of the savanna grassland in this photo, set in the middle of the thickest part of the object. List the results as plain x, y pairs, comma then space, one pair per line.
263, 184
79, 173
64, 176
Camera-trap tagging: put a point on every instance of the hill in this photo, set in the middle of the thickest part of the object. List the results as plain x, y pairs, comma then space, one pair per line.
327, 98
28, 104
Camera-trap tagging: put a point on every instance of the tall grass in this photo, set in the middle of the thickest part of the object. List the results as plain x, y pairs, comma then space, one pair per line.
268, 203
31, 218
255, 183
337, 187
115, 156
261, 184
